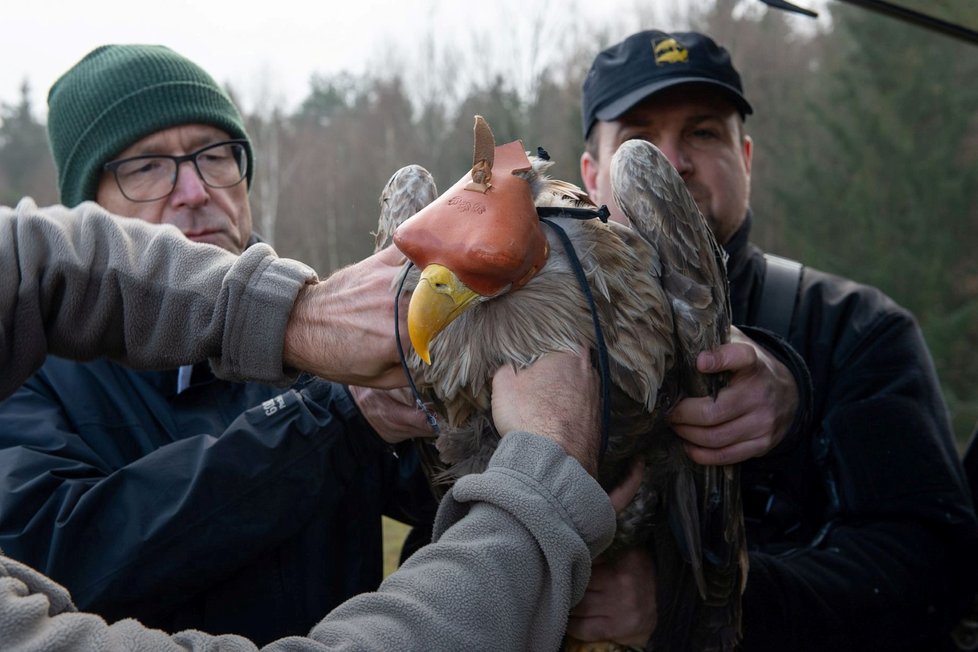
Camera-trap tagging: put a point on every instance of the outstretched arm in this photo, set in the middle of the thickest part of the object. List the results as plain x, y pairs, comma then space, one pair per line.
81, 283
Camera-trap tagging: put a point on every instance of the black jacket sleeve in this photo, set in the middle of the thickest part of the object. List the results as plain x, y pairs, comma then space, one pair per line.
792, 360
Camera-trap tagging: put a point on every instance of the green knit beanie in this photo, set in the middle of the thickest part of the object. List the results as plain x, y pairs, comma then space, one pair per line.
118, 94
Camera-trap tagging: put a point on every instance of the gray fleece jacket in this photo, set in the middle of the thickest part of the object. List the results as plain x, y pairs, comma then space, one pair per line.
513, 545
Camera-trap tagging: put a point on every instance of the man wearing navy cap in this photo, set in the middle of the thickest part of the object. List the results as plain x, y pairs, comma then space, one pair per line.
858, 518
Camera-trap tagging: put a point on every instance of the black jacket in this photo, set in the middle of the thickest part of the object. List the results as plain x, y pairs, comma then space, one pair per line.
227, 508
861, 529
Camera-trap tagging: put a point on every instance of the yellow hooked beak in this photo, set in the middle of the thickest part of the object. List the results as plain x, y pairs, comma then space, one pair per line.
437, 301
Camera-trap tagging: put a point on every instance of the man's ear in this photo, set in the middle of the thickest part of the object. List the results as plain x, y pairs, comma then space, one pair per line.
747, 150
589, 173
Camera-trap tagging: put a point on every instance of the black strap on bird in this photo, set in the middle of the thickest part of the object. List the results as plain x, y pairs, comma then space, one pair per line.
583, 213
428, 414
575, 213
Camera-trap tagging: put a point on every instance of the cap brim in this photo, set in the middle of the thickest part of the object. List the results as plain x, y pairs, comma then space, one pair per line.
615, 110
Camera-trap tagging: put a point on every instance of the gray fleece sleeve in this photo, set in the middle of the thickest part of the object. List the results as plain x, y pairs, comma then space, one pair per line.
80, 283
512, 555
37, 614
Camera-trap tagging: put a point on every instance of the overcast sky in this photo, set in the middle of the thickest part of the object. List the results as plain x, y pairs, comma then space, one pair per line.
274, 49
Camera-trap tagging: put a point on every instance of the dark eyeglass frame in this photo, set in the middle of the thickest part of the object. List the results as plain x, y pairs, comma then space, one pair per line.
113, 167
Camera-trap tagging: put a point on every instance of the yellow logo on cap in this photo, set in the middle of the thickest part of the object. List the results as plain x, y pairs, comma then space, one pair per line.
669, 51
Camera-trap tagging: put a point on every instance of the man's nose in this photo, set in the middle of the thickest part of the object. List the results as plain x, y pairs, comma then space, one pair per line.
676, 151
189, 189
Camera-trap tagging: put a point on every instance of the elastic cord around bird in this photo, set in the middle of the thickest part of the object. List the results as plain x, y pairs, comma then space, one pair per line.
601, 214
428, 414
543, 212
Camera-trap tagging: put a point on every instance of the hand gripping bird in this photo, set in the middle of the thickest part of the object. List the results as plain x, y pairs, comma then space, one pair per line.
501, 256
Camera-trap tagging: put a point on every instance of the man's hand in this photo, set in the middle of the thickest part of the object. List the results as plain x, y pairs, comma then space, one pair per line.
619, 604
343, 327
557, 397
750, 415
392, 413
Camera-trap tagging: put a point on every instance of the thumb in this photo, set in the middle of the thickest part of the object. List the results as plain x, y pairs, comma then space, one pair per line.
623, 493
707, 362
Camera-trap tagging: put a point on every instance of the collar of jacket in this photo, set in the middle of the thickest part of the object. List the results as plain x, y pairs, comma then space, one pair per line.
745, 271
165, 381
736, 247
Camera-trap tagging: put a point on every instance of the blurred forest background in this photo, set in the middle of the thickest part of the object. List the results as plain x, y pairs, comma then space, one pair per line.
865, 131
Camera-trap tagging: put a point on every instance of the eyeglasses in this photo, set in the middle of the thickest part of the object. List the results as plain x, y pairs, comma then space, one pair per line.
152, 177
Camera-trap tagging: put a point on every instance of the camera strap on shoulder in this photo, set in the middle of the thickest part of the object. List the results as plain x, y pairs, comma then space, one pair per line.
970, 462
965, 633
779, 294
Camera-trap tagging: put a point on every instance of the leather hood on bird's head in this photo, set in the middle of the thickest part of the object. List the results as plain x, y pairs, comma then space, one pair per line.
484, 228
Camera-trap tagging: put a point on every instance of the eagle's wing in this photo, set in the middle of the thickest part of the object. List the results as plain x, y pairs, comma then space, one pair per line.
408, 191
706, 513
654, 197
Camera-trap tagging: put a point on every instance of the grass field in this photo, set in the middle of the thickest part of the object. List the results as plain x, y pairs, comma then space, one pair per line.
394, 533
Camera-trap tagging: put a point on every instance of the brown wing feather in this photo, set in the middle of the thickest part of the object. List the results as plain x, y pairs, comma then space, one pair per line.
705, 502
407, 191
654, 197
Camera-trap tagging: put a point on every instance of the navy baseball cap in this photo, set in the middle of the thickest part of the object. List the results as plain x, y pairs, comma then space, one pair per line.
647, 62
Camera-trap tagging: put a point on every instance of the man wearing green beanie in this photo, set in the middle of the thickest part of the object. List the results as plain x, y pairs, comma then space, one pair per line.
174, 497
122, 101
